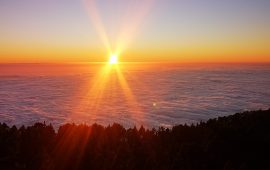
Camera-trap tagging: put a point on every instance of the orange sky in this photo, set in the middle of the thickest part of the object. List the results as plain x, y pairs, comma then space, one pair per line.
150, 30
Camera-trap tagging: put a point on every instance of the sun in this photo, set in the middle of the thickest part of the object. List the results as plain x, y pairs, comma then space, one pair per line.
113, 59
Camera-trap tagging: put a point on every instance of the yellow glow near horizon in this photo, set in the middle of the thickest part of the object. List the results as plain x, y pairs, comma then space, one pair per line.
108, 83
113, 59
122, 28
128, 29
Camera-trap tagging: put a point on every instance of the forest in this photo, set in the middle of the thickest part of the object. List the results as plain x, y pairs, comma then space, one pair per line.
239, 141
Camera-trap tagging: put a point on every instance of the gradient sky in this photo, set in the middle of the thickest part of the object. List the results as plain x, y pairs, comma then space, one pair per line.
156, 30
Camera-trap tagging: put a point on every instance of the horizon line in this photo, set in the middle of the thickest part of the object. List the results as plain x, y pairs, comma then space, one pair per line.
139, 62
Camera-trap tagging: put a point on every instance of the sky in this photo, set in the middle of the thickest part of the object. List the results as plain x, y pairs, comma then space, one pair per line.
151, 30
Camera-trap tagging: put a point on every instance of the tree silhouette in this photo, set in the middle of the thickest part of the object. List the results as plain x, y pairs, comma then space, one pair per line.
239, 141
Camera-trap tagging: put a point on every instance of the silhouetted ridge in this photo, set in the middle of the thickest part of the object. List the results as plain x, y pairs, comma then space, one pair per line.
239, 141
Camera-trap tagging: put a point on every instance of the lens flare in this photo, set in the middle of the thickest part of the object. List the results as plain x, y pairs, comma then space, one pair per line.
113, 59
110, 78
132, 20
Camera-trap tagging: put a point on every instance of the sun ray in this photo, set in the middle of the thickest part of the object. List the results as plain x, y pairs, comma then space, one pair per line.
132, 24
97, 22
130, 98
98, 86
129, 28
96, 93
93, 94
72, 140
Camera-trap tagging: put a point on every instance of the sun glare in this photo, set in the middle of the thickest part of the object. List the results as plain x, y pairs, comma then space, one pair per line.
113, 59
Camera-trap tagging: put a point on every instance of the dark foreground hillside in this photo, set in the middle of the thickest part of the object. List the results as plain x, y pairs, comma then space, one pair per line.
240, 141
